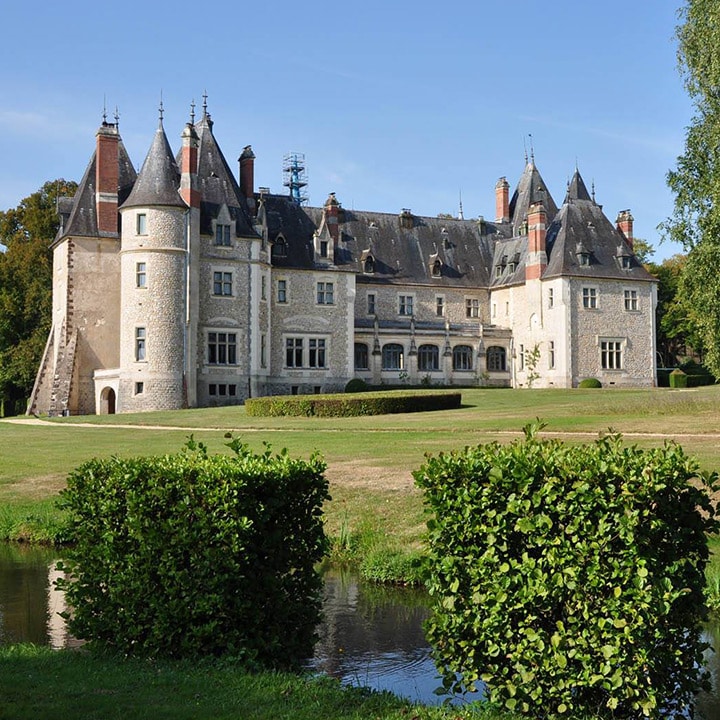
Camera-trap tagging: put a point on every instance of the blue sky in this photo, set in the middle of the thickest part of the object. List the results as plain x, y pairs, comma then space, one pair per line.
395, 105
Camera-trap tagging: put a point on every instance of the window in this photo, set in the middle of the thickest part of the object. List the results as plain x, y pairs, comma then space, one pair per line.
626, 262
437, 268
369, 266
222, 235
222, 348
371, 303
405, 304
551, 355
140, 339
631, 300
521, 357
462, 357
325, 294
472, 308
611, 354
551, 297
393, 357
428, 358
495, 358
316, 352
141, 224
263, 350
361, 356
279, 248
222, 390
139, 388
140, 275
499, 271
294, 352
282, 291
589, 298
323, 248
494, 309
584, 259
222, 283
439, 306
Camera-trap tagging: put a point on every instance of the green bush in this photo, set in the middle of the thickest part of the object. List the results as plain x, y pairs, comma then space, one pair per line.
352, 405
590, 383
569, 577
678, 379
356, 385
189, 554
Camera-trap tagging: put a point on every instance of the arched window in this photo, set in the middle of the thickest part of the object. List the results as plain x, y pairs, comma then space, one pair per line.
437, 268
496, 359
393, 357
369, 267
462, 357
279, 248
361, 356
428, 358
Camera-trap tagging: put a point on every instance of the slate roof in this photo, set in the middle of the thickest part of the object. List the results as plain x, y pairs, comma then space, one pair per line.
79, 213
581, 227
159, 180
530, 189
217, 184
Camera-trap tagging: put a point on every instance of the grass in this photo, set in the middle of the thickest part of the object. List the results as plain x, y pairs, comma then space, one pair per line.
37, 682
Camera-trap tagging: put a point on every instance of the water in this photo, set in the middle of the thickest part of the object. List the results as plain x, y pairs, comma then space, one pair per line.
371, 636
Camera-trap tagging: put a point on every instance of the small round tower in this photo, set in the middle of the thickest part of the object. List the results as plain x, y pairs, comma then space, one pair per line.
153, 286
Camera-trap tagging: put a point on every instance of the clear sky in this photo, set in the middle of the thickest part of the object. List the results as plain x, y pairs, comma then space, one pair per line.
395, 105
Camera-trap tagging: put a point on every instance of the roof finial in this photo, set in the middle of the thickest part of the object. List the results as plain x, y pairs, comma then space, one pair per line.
117, 118
205, 97
192, 112
161, 109
525, 149
460, 213
593, 189
104, 109
532, 149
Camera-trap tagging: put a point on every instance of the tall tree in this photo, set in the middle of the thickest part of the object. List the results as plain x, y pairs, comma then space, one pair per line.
26, 287
696, 181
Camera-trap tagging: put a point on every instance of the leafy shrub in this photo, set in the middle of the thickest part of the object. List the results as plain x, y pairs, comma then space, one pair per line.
356, 385
375, 403
590, 383
678, 379
569, 577
190, 554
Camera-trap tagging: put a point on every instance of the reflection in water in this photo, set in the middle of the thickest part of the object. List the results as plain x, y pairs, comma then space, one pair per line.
370, 636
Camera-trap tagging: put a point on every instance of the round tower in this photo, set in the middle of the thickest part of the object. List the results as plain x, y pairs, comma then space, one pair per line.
153, 262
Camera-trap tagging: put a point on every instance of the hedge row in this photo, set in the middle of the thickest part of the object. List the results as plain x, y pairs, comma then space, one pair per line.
352, 404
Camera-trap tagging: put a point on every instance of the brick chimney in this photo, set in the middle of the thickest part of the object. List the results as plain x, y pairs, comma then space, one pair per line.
188, 167
247, 177
107, 173
624, 225
536, 261
332, 216
502, 201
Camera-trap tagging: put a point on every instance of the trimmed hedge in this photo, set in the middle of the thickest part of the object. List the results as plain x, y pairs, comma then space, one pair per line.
590, 383
351, 404
189, 555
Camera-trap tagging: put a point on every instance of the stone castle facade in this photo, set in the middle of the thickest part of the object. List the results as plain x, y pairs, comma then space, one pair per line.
182, 286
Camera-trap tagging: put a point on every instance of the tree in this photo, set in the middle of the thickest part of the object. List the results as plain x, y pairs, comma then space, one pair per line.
696, 180
26, 287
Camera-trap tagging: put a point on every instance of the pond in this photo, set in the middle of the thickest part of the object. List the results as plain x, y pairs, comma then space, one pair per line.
370, 636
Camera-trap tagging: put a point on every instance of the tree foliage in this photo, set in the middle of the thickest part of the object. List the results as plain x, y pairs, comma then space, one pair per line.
26, 286
569, 578
696, 180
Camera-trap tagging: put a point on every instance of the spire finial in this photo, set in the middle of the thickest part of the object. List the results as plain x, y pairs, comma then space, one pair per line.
460, 214
192, 112
161, 109
593, 189
205, 97
525, 149
104, 109
117, 118
532, 149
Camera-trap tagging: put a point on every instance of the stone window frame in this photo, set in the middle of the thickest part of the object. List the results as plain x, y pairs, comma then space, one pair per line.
223, 234
463, 358
440, 305
222, 389
428, 358
140, 343
371, 303
361, 353
141, 224
496, 358
325, 292
551, 354
406, 305
223, 282
472, 307
551, 297
141, 275
590, 297
393, 351
612, 353
631, 300
281, 291
221, 347
313, 354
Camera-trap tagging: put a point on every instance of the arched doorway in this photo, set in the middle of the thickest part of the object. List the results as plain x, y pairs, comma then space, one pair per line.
107, 401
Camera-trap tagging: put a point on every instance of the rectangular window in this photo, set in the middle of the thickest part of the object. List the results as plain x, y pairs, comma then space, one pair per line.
325, 293
611, 354
551, 355
361, 356
141, 224
472, 308
323, 248
222, 390
139, 388
371, 304
263, 350
222, 235
439, 306
316, 353
551, 297
140, 275
140, 339
405, 304
631, 300
589, 296
222, 348
222, 283
521, 357
293, 352
282, 291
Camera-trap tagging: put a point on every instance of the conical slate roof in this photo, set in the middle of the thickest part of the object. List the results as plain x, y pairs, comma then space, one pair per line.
576, 189
159, 178
530, 189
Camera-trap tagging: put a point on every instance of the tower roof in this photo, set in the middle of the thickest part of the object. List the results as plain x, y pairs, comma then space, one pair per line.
576, 189
159, 178
531, 189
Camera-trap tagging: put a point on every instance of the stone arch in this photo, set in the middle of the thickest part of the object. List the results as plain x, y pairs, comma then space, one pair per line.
108, 401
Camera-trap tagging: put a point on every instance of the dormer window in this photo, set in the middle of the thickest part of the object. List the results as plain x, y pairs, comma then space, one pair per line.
583, 258
222, 235
436, 268
279, 248
499, 271
625, 262
369, 266
323, 248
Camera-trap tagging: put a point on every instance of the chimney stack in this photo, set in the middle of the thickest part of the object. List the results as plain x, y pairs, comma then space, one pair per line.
537, 234
189, 166
502, 201
107, 174
247, 177
332, 216
624, 225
